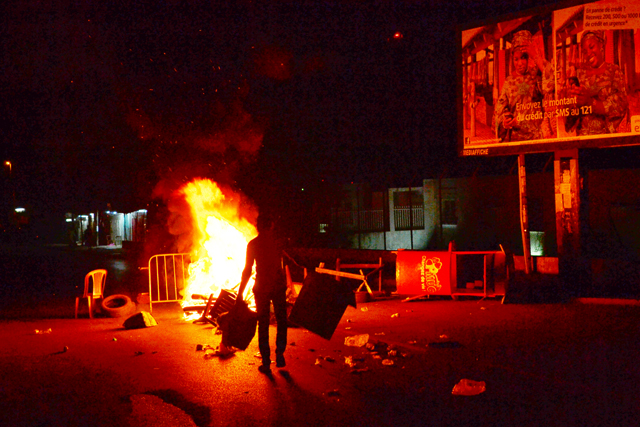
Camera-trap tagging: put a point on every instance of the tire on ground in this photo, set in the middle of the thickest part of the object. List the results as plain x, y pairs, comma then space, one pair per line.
118, 306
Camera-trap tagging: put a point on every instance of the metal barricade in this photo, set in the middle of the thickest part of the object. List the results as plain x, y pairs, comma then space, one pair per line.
168, 275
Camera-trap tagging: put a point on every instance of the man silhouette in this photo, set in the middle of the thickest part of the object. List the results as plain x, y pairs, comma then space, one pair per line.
270, 287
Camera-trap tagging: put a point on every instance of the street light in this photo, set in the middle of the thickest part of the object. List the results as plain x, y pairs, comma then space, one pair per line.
13, 189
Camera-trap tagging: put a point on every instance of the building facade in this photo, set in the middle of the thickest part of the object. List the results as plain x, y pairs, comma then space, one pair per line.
482, 213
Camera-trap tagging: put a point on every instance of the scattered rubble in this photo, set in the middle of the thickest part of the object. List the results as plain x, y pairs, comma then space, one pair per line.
357, 340
204, 347
468, 387
221, 351
143, 319
348, 360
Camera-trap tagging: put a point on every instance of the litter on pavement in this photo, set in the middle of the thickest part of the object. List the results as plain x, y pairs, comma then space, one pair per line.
468, 387
348, 360
357, 340
143, 319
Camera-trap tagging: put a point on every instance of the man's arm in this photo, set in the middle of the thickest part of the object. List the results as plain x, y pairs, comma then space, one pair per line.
246, 273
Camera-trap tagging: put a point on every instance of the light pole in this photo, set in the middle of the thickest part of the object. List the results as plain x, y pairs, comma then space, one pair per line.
13, 194
13, 189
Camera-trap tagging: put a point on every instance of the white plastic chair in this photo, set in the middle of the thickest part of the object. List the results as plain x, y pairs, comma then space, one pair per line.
99, 278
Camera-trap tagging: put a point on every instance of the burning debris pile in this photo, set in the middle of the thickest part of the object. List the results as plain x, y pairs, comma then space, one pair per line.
219, 236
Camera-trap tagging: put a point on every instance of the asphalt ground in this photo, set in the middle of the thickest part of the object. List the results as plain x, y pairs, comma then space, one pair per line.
563, 364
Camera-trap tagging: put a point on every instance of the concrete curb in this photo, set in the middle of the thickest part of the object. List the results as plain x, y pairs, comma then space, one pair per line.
608, 301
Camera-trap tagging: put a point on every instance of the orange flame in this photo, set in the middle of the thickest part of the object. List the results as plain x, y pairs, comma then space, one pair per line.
220, 236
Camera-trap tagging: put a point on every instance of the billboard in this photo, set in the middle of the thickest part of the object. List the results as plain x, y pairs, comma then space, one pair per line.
555, 78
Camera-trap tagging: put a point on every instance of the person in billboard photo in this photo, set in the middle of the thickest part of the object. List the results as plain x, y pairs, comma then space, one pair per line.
599, 89
518, 114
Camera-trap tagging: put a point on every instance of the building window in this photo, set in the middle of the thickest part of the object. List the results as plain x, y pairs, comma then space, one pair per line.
449, 216
536, 243
363, 212
408, 210
536, 222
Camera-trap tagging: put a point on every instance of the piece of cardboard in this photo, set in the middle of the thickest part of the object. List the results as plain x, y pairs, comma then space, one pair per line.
321, 304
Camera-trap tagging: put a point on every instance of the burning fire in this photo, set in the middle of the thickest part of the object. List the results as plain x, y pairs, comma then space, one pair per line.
220, 241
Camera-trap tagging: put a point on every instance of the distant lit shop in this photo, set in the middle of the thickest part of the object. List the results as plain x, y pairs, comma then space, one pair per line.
106, 228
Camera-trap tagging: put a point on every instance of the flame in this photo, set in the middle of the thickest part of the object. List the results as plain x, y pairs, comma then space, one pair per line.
220, 240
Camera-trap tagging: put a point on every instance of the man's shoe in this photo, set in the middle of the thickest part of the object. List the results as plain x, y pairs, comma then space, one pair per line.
280, 363
264, 369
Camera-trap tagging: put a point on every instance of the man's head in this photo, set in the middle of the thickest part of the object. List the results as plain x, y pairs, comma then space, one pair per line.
521, 42
265, 222
521, 61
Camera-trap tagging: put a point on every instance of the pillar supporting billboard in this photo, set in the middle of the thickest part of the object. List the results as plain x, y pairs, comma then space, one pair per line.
567, 200
524, 216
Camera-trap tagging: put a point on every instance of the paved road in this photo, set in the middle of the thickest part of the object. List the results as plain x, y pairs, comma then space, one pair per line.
543, 364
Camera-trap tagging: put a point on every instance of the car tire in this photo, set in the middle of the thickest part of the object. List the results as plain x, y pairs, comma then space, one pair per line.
118, 306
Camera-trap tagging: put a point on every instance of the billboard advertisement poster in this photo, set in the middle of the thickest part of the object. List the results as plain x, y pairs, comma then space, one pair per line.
555, 78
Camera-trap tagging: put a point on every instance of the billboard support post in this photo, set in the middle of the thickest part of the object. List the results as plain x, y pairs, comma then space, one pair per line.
472, 109
567, 200
524, 217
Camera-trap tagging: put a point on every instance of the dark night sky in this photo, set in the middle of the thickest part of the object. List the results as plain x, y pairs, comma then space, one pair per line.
102, 100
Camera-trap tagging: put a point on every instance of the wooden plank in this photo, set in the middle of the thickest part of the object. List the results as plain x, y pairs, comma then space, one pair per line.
340, 273
360, 266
